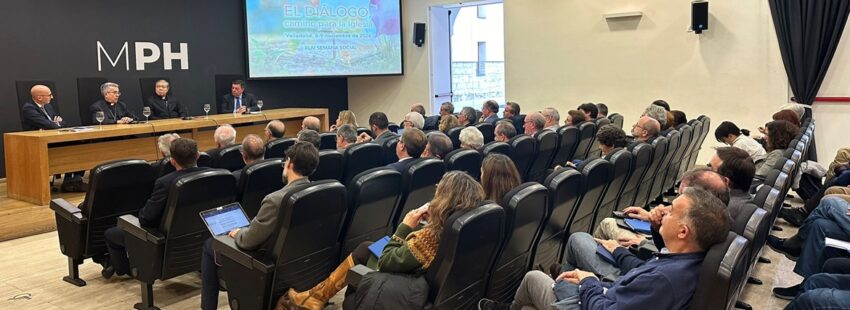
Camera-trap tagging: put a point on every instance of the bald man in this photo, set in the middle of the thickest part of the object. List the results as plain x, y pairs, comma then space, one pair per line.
39, 114
274, 130
311, 123
645, 130
252, 151
534, 122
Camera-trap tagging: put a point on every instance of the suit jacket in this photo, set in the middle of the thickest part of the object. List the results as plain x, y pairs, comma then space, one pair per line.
431, 123
161, 108
249, 101
151, 214
33, 118
402, 165
518, 121
112, 114
263, 225
491, 120
384, 137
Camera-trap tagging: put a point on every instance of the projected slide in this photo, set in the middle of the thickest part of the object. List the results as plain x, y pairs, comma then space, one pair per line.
292, 38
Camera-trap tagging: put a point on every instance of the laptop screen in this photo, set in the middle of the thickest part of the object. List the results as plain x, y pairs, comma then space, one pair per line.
223, 219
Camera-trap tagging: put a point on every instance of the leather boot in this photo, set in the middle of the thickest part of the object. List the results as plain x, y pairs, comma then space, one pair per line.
318, 296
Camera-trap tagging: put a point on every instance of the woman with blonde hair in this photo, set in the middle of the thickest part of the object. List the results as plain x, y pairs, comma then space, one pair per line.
410, 250
448, 122
498, 176
344, 117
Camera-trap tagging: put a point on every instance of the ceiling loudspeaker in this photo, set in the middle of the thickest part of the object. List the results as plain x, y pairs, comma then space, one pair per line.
419, 34
699, 16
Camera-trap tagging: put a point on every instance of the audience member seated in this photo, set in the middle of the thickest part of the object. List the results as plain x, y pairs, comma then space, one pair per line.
498, 177
534, 122
575, 118
658, 113
778, 134
446, 109
312, 123
410, 250
602, 110
163, 143
829, 289
39, 114
471, 138
418, 108
448, 122
830, 219
252, 151
163, 105
301, 160
671, 122
489, 112
114, 111
679, 118
662, 103
431, 122
224, 136
611, 139
737, 169
787, 115
410, 146
346, 135
729, 134
344, 117
413, 119
379, 125
645, 130
512, 113
467, 116
237, 101
590, 111
309, 136
274, 130
184, 156
504, 131
695, 223
552, 119
439, 145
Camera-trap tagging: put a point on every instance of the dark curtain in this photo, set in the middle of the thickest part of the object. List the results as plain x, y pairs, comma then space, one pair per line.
808, 33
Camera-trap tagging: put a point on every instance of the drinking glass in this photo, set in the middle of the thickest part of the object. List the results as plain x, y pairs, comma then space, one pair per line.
146, 111
260, 105
99, 117
207, 110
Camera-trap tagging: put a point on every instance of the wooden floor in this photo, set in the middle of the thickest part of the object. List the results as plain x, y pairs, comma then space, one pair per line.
21, 219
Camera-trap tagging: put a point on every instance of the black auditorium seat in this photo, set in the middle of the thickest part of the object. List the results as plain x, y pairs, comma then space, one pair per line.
674, 139
565, 191
174, 248
602, 121
258, 180
230, 158
372, 197
418, 186
487, 130
388, 147
718, 273
526, 208
361, 130
659, 149
706, 124
616, 119
587, 132
597, 175
496, 147
567, 143
163, 166
302, 250
205, 160
454, 135
622, 164
277, 147
523, 153
393, 127
468, 161
88, 92
685, 136
641, 160
546, 147
756, 230
327, 141
330, 164
115, 189
358, 158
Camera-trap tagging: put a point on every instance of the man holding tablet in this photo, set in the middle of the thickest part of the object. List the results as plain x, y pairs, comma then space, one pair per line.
301, 160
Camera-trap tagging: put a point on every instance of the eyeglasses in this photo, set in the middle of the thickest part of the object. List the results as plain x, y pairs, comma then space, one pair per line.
115, 92
48, 95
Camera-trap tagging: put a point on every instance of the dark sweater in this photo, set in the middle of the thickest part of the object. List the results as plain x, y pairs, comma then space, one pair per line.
667, 281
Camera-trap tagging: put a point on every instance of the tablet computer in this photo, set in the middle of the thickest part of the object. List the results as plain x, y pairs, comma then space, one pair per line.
223, 219
638, 226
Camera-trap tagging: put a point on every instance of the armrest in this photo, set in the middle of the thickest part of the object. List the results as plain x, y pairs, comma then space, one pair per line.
130, 224
226, 246
355, 274
68, 211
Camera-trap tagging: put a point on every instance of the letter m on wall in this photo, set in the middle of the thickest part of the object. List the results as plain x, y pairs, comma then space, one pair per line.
101, 52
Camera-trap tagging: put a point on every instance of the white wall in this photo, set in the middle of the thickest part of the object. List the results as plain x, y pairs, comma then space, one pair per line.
563, 52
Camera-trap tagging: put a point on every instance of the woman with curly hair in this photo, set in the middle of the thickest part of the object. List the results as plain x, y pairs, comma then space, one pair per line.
448, 122
410, 250
610, 138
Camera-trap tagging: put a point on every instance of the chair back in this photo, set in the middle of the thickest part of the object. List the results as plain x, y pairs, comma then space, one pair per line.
205, 160
258, 180
587, 133
468, 161
616, 119
722, 265
523, 153
358, 158
567, 143
487, 130
454, 135
496, 147
327, 141
597, 175
622, 166
418, 186
641, 160
565, 191
230, 158
277, 147
372, 197
547, 146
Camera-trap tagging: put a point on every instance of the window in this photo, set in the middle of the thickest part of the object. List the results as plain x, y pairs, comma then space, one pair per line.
482, 57
482, 11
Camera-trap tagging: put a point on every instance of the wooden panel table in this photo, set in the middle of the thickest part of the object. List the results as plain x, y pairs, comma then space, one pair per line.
33, 156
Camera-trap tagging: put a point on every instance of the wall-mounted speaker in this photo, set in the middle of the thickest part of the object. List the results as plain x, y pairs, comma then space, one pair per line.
699, 16
419, 34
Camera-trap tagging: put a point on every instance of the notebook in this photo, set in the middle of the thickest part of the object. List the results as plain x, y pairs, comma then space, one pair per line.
223, 219
638, 226
377, 248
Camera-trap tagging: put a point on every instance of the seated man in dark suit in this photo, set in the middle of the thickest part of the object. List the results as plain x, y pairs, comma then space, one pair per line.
163, 143
39, 114
410, 146
252, 151
301, 160
439, 145
163, 105
237, 101
511, 113
114, 111
379, 125
504, 131
224, 136
184, 156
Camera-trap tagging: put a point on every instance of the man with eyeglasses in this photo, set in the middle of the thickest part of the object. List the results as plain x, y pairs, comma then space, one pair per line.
114, 111
162, 104
645, 130
39, 114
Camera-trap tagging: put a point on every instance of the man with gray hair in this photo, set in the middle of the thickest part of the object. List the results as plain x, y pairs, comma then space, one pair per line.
164, 143
418, 107
224, 136
534, 123
447, 108
552, 118
489, 112
413, 119
346, 135
274, 130
466, 116
657, 112
310, 136
439, 145
253, 150
312, 123
504, 131
471, 138
114, 110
